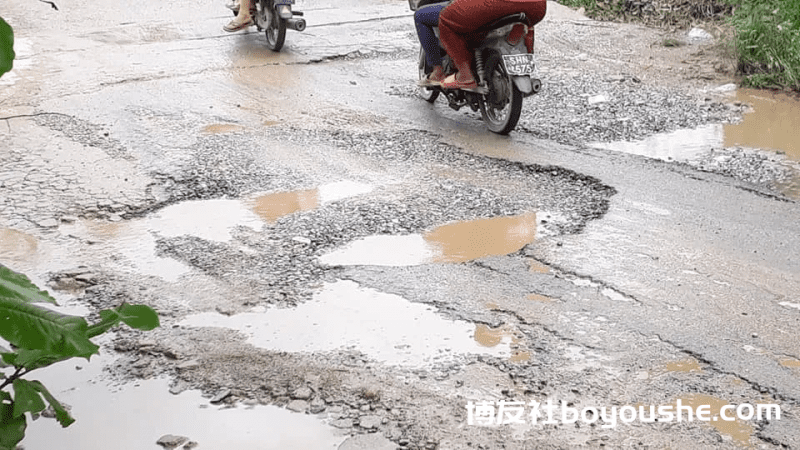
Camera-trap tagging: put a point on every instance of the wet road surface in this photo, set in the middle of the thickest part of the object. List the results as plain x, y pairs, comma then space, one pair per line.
383, 261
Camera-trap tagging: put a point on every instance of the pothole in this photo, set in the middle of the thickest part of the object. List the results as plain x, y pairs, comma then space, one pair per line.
135, 416
345, 316
451, 243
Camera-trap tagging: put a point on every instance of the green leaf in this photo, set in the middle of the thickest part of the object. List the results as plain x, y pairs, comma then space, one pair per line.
3, 352
26, 398
62, 415
12, 429
6, 47
15, 285
36, 359
141, 317
32, 327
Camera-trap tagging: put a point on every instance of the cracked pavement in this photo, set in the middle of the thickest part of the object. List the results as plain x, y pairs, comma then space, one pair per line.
137, 155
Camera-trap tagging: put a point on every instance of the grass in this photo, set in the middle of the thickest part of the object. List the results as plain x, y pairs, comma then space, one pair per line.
765, 40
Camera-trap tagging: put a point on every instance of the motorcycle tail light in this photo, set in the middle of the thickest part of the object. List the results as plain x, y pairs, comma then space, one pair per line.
516, 33
529, 40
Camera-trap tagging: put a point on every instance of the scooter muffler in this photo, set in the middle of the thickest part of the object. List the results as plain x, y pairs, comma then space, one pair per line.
296, 24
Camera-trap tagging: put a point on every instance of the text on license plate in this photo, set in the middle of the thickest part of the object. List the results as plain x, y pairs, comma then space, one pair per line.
521, 64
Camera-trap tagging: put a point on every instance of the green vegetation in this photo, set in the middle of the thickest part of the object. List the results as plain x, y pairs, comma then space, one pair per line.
6, 47
765, 35
767, 42
38, 338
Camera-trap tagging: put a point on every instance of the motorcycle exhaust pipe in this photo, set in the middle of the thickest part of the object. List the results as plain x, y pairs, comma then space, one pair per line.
296, 24
536, 85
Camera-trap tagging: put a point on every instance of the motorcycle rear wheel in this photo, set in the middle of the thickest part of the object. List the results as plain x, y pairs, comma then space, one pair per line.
428, 94
276, 27
502, 106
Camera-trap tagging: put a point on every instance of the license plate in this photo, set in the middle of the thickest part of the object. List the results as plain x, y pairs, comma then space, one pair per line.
521, 64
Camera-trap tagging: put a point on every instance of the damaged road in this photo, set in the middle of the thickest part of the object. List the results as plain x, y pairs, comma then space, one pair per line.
338, 264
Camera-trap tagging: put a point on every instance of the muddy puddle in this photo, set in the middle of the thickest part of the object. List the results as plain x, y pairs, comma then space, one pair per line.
740, 432
770, 124
503, 335
451, 243
133, 243
684, 365
343, 315
134, 416
16, 245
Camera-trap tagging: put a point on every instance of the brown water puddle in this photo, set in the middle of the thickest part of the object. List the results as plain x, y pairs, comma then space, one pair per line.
537, 267
492, 337
221, 128
790, 362
16, 245
271, 207
773, 123
685, 365
741, 432
539, 298
452, 243
465, 241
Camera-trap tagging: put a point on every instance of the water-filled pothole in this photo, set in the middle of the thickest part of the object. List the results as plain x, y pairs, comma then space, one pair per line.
16, 245
385, 327
738, 430
451, 243
771, 125
134, 416
133, 243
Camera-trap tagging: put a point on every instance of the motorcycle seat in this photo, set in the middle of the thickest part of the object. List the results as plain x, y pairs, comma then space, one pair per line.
503, 21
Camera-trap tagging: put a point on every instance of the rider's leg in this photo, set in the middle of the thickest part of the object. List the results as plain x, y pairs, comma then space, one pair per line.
425, 19
456, 20
243, 19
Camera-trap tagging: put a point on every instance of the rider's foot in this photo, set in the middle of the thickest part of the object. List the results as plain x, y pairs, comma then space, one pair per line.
238, 24
434, 78
458, 81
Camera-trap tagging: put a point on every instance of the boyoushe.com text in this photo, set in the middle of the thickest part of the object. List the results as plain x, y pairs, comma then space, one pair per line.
504, 412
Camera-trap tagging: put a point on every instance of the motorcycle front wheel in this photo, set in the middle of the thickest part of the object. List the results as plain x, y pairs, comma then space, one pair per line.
428, 94
276, 27
502, 106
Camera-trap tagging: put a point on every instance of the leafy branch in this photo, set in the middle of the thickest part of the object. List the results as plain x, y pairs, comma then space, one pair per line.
40, 337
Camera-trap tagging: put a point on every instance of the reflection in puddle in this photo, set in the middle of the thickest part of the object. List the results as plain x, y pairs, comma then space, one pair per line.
790, 362
492, 337
221, 128
452, 243
686, 365
680, 145
16, 245
739, 431
773, 124
271, 207
385, 327
133, 417
133, 243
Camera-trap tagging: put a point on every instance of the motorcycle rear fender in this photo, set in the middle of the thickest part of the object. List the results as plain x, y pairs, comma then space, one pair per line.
524, 84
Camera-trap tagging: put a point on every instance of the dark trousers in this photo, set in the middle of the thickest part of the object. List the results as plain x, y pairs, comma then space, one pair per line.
425, 19
462, 17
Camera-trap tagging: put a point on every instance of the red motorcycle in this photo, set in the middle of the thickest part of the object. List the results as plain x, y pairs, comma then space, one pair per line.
504, 64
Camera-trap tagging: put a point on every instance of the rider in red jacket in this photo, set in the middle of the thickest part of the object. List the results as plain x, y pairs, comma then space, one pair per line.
465, 16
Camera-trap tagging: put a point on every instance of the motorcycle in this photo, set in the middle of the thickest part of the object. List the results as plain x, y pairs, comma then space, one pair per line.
275, 17
504, 64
